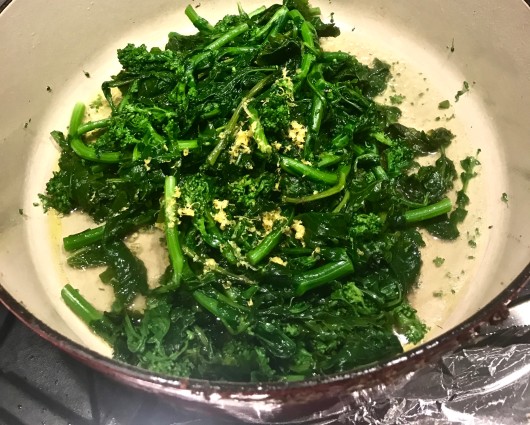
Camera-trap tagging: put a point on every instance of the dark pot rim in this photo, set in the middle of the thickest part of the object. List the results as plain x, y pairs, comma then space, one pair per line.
381, 373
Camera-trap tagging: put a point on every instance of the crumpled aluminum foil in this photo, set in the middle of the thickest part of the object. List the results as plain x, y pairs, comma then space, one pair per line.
485, 383
482, 385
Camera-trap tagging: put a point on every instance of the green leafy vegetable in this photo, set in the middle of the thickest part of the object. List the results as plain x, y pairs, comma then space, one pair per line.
289, 202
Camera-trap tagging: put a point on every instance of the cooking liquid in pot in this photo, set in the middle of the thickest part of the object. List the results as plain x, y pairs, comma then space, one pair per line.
421, 81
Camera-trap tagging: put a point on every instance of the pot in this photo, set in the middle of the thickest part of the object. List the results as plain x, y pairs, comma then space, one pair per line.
55, 54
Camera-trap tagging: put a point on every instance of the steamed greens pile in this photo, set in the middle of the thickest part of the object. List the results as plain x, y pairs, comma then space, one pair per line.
289, 201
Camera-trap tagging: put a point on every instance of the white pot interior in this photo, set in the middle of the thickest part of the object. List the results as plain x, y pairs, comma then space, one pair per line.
51, 44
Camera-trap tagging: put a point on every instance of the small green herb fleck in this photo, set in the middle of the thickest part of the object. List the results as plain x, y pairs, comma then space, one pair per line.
97, 103
21, 211
504, 197
438, 261
465, 89
445, 104
87, 74
397, 99
472, 243
438, 294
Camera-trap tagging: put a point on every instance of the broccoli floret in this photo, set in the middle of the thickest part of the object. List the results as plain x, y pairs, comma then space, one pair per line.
365, 226
197, 191
138, 59
275, 107
56, 196
399, 158
348, 293
247, 191
408, 323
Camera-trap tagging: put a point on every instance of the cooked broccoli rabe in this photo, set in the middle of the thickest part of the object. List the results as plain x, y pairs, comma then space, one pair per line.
289, 199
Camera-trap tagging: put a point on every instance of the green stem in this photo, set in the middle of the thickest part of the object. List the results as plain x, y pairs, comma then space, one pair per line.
342, 202
89, 153
382, 138
176, 257
227, 37
380, 173
230, 127
312, 279
317, 83
79, 305
198, 22
188, 144
237, 50
76, 119
419, 214
211, 113
334, 56
327, 159
227, 315
82, 239
318, 107
210, 304
308, 57
343, 174
277, 17
211, 49
257, 11
93, 125
237, 277
258, 131
300, 169
269, 242
94, 318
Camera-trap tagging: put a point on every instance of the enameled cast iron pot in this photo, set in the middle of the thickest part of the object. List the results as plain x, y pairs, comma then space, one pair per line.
46, 48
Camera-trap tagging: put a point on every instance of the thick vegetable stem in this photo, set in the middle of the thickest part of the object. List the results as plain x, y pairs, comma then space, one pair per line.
430, 211
320, 276
176, 257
